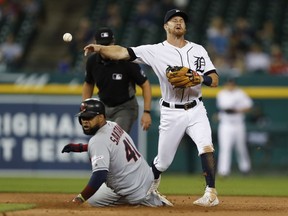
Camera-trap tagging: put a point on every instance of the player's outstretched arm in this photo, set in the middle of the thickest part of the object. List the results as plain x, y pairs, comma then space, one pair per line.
114, 52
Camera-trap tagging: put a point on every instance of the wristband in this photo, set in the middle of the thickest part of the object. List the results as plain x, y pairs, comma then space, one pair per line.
207, 80
147, 111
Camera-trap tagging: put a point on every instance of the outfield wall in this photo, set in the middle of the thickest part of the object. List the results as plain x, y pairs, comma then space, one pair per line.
37, 119
267, 139
35, 128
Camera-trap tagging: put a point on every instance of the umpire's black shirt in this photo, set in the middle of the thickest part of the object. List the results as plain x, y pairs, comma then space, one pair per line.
115, 80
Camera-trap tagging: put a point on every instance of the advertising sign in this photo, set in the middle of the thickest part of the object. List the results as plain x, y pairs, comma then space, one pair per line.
33, 133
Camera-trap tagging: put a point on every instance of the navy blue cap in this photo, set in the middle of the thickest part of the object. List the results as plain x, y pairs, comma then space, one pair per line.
175, 12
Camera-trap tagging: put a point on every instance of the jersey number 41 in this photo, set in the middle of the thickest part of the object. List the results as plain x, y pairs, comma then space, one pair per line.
131, 151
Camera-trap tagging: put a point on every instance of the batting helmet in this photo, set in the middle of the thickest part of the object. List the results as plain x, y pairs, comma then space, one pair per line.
90, 108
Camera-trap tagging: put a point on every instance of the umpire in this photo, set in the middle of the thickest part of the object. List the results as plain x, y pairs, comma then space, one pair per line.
116, 81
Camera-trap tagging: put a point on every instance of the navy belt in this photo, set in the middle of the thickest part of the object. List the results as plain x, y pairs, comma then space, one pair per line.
185, 106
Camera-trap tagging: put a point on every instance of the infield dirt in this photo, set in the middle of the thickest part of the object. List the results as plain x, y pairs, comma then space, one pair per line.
56, 205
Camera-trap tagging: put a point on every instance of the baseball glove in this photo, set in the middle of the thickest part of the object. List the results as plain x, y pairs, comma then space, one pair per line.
182, 77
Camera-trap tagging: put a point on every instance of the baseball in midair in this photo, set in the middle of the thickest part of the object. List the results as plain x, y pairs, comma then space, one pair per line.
67, 37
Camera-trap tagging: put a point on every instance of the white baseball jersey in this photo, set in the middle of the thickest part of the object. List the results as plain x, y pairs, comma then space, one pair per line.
129, 175
236, 99
175, 122
160, 55
232, 130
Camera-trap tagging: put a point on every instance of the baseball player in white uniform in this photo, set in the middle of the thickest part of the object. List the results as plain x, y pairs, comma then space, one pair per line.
120, 174
182, 109
232, 103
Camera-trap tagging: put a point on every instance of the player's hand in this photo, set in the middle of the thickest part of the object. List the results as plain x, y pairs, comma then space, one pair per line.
78, 200
91, 48
71, 147
146, 121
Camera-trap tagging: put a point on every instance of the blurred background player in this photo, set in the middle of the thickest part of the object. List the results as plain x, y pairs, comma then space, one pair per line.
115, 162
232, 103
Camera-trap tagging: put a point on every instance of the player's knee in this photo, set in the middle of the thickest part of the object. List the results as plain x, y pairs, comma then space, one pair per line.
206, 149
163, 166
94, 203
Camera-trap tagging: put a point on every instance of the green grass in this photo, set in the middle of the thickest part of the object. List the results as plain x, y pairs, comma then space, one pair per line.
46, 185
233, 186
14, 207
171, 184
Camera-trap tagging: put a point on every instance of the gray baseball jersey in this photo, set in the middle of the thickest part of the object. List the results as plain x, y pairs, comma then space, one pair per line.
129, 175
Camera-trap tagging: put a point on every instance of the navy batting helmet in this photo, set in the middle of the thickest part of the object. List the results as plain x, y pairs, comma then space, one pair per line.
90, 108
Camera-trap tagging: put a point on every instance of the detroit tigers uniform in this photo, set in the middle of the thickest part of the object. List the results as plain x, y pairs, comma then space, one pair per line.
181, 110
129, 175
232, 130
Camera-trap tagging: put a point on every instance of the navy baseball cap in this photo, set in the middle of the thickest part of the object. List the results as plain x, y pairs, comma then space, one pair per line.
90, 108
175, 12
104, 36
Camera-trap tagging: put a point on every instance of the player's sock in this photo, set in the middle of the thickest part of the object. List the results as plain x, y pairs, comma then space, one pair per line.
208, 167
155, 171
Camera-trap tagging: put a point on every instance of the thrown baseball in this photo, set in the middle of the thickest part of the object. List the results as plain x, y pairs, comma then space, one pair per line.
67, 37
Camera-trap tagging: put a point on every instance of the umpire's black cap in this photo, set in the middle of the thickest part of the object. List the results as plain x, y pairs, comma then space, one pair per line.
175, 12
104, 36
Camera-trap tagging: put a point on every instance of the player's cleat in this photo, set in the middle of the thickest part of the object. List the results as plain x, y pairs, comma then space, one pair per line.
163, 199
154, 186
209, 198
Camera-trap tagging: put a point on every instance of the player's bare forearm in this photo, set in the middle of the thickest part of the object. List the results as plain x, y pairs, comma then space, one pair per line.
113, 52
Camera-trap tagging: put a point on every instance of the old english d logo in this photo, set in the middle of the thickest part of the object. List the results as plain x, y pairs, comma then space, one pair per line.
200, 64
